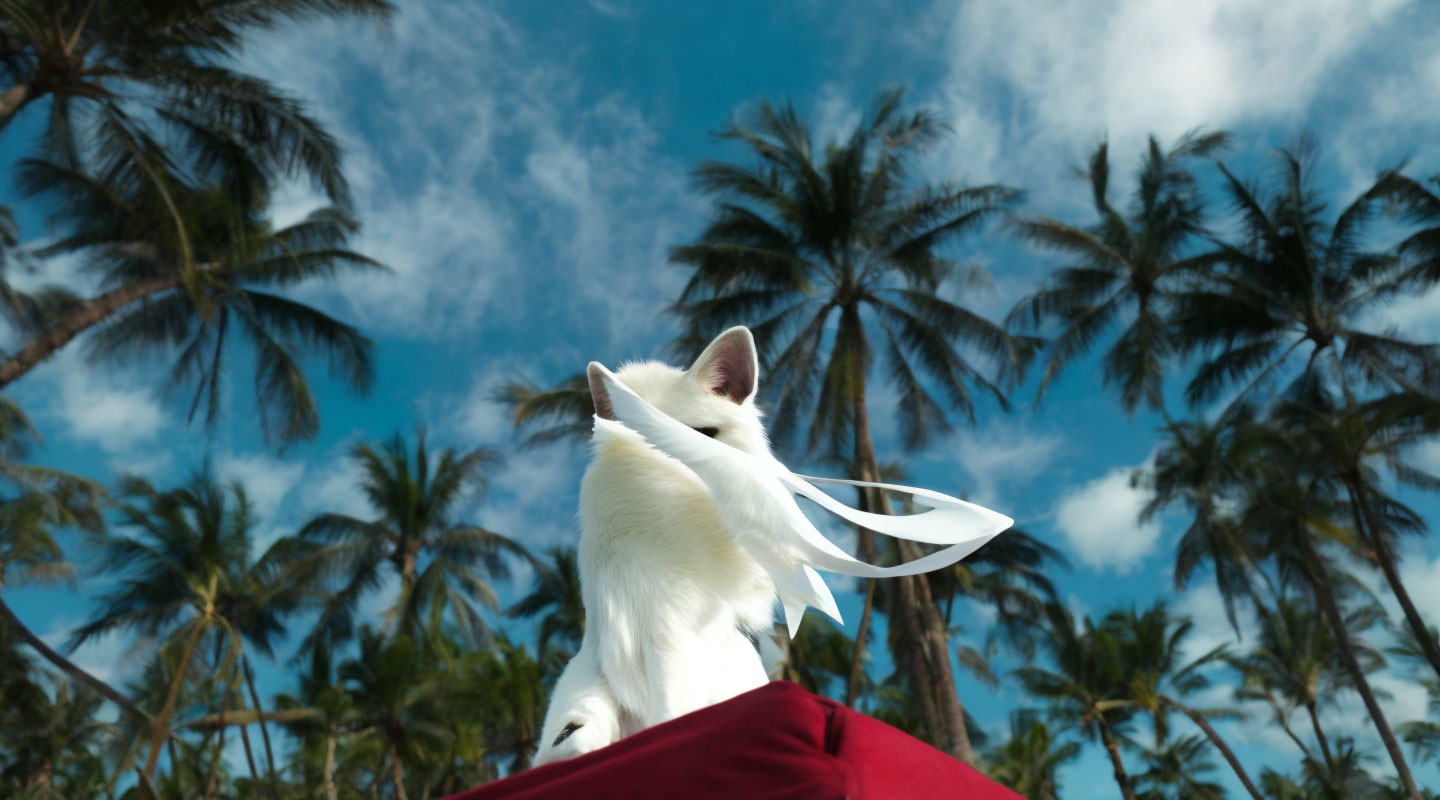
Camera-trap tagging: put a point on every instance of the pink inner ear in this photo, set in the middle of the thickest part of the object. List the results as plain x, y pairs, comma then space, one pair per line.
730, 370
600, 395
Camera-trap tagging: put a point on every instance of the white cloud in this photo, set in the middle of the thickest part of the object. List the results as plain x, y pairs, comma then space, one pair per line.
476, 160
1101, 521
1004, 456
267, 480
105, 407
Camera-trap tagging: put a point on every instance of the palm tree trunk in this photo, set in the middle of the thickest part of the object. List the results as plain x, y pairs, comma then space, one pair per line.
916, 602
1225, 751
162, 721
397, 774
213, 774
127, 706
1320, 735
1360, 504
1325, 598
330, 793
250, 762
12, 100
94, 311
264, 729
1112, 748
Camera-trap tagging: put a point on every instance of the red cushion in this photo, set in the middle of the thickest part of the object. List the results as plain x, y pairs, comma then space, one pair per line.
778, 742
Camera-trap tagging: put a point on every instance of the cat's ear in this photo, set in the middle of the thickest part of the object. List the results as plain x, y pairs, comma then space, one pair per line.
598, 393
729, 367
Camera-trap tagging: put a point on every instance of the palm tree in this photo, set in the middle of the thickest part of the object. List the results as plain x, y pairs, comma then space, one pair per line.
1292, 279
1291, 505
1159, 680
556, 595
1295, 663
818, 656
38, 502
560, 413
1177, 772
217, 270
125, 65
190, 578
1085, 685
389, 680
1423, 735
808, 242
1352, 437
439, 561
1029, 761
319, 715
1008, 575
1127, 267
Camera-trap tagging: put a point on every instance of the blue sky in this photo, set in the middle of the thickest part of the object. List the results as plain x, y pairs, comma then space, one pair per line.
522, 167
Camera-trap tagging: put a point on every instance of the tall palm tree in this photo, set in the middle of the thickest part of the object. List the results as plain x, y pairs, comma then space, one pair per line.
103, 63
189, 262
1291, 504
1353, 436
817, 657
1159, 680
1295, 663
439, 560
1177, 771
1126, 269
190, 581
36, 502
830, 255
1029, 761
1084, 684
1291, 279
389, 680
555, 594
559, 413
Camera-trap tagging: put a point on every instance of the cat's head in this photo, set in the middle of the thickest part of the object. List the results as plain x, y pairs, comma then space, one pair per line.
715, 395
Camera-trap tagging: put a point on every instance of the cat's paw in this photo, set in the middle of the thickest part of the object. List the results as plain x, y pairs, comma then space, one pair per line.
577, 738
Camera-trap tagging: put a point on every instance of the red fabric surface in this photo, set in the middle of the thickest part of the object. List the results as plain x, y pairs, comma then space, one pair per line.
778, 742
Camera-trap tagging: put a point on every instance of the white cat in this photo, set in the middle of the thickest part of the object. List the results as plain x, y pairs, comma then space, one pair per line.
674, 607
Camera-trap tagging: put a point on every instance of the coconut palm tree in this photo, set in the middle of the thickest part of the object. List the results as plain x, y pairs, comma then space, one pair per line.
1085, 683
1126, 268
1292, 505
1294, 279
389, 680
190, 581
1160, 680
1294, 664
105, 64
1177, 771
830, 255
1029, 761
188, 263
413, 534
1422, 735
1353, 436
555, 594
817, 657
37, 502
559, 413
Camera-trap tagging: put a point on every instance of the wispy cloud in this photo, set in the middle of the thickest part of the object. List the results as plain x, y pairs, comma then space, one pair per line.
1100, 519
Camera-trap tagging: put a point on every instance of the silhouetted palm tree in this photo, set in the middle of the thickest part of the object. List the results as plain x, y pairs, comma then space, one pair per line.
1292, 278
829, 256
1159, 680
1084, 684
1177, 771
1127, 268
107, 66
439, 560
190, 578
555, 598
1029, 761
187, 269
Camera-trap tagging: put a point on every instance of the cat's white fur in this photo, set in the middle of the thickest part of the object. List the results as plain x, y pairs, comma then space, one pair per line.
667, 590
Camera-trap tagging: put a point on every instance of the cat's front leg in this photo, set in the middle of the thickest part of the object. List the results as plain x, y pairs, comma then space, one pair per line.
583, 715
